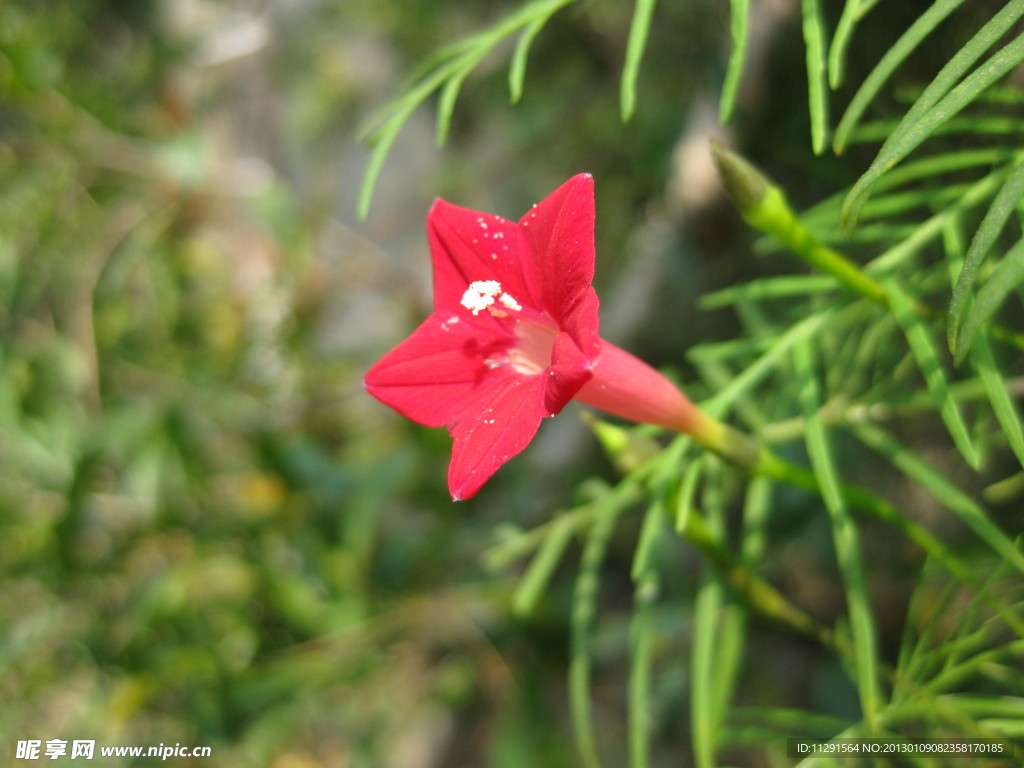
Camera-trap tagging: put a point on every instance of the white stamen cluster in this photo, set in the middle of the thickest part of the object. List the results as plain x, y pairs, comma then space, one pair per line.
509, 302
481, 294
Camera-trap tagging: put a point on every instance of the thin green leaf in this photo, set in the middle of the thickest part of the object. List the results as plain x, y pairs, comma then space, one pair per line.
929, 198
1004, 279
928, 361
791, 721
748, 378
538, 575
517, 68
707, 604
429, 76
445, 59
1002, 404
449, 93
972, 514
784, 287
645, 577
995, 219
650, 533
392, 118
728, 350
853, 11
817, 72
515, 544
643, 14
844, 535
984, 705
817, 444
940, 101
756, 513
982, 357
945, 162
687, 492
820, 218
382, 145
733, 620
739, 13
583, 617
967, 125
925, 232
895, 56
924, 624
641, 641
447, 68
665, 470
717, 639
748, 407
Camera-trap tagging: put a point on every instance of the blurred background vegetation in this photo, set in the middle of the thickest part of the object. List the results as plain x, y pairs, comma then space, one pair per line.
209, 534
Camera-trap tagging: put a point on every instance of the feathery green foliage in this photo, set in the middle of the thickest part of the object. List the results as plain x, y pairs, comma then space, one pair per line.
445, 72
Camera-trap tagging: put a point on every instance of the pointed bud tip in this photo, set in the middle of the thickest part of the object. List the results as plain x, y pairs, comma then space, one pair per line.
744, 183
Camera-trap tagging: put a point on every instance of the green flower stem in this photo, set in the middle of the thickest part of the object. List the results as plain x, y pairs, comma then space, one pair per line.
774, 217
763, 205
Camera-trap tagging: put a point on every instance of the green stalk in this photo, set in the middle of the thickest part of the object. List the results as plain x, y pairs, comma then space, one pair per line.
763, 205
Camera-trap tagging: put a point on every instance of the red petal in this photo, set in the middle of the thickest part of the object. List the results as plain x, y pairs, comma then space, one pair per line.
466, 246
492, 430
450, 371
560, 231
569, 371
443, 366
583, 325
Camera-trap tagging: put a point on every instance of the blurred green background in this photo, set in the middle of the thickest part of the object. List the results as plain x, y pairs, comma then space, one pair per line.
209, 534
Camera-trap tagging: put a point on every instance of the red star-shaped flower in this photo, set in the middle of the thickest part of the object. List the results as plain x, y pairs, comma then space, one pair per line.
514, 337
